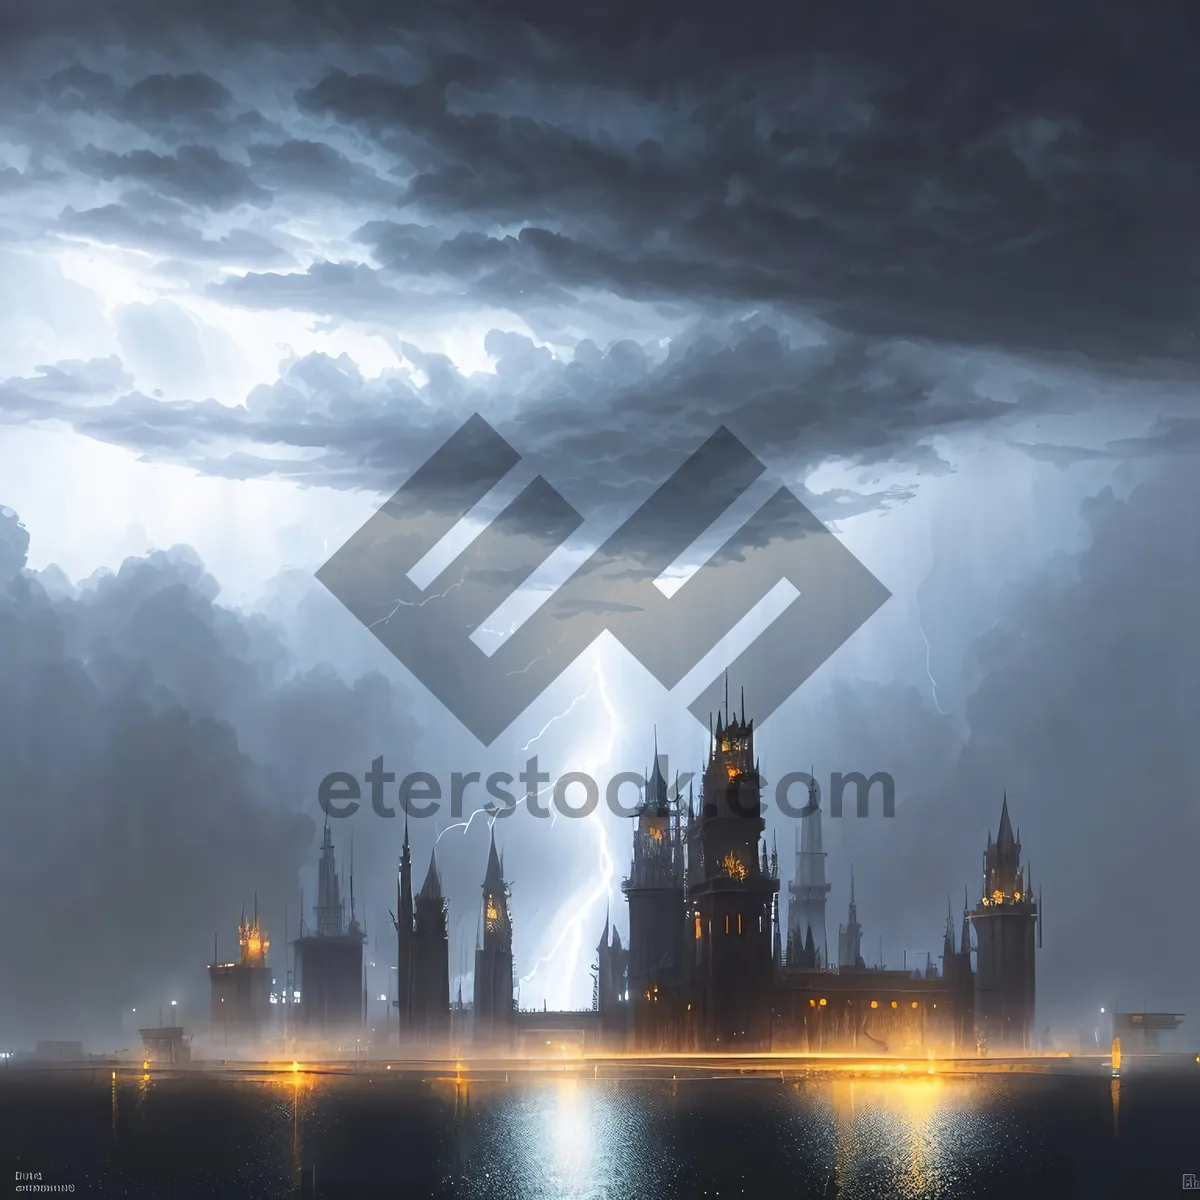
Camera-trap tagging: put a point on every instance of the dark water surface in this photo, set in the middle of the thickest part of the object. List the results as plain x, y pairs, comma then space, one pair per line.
585, 1139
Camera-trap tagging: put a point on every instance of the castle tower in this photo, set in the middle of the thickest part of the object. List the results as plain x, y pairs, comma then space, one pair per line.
654, 891
404, 939
329, 963
431, 959
612, 983
957, 972
809, 889
331, 909
241, 991
1005, 922
494, 1011
850, 935
731, 897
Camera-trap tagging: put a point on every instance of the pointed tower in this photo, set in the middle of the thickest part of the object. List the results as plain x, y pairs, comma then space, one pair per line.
654, 891
731, 898
329, 964
612, 962
1005, 922
431, 959
331, 913
494, 1010
850, 935
241, 991
404, 940
809, 889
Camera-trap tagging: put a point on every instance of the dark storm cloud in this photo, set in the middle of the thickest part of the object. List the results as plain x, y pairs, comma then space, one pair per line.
160, 753
804, 402
196, 174
127, 225
164, 102
1008, 178
307, 166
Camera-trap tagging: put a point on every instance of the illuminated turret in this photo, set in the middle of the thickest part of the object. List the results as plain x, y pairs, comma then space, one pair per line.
252, 946
732, 890
240, 991
493, 1014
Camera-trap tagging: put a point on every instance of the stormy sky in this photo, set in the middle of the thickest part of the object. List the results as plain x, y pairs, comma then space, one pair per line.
935, 265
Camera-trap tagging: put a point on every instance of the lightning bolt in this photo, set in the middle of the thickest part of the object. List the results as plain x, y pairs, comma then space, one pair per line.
463, 825
571, 919
415, 604
928, 672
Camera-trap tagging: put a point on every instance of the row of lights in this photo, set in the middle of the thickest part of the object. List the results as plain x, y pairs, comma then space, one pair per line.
874, 1003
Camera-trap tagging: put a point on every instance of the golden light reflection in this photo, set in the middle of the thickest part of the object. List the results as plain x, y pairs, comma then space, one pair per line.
907, 1111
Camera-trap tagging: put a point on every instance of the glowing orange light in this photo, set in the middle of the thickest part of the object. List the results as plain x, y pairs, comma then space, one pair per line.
874, 1003
822, 1001
733, 867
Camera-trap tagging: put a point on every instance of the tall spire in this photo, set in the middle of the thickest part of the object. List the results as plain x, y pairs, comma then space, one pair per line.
726, 695
493, 878
431, 889
1005, 831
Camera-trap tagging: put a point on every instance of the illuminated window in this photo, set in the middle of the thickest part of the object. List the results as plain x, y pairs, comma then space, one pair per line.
697, 927
739, 924
733, 866
726, 922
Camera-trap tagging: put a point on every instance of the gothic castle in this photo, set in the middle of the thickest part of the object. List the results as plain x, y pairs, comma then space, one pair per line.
711, 963
708, 965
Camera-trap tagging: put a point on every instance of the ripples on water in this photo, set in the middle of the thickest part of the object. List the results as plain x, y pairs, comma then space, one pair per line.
575, 1138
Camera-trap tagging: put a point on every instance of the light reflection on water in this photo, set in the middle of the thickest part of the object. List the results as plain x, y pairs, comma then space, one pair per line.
580, 1139
575, 1137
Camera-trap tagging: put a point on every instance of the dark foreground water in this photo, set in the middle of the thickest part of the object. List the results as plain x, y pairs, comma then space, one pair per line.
582, 1139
